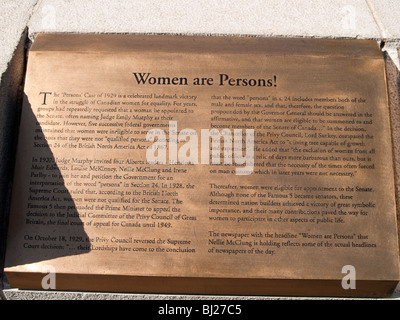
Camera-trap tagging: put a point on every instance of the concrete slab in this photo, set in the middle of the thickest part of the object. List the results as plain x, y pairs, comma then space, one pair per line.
318, 18
15, 294
387, 16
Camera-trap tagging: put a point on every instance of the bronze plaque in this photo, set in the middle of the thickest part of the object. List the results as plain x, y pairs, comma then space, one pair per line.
215, 165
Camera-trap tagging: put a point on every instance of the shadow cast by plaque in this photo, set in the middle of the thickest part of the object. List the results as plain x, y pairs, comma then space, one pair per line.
44, 220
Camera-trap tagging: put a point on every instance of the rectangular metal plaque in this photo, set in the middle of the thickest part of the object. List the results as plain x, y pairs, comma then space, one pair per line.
214, 165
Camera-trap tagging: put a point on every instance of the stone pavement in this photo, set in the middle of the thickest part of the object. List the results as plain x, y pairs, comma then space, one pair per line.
21, 20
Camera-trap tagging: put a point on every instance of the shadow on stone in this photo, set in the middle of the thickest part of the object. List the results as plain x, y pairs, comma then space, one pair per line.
44, 220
